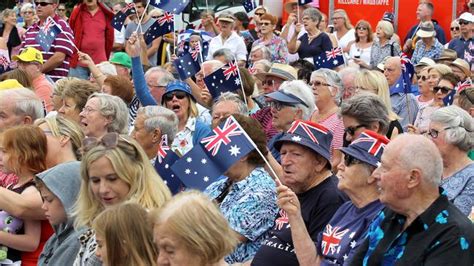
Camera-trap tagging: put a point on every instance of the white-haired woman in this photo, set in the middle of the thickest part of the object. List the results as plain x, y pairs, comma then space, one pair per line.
327, 90
452, 130
383, 46
343, 29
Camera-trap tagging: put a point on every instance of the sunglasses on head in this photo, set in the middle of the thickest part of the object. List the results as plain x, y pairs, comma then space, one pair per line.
444, 90
351, 130
423, 78
179, 95
349, 160
42, 3
454, 28
463, 22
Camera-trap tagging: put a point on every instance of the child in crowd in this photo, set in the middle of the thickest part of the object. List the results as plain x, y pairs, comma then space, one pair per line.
124, 237
59, 188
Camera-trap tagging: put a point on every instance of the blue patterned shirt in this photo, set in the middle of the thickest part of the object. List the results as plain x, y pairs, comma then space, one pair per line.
441, 235
460, 188
420, 51
250, 208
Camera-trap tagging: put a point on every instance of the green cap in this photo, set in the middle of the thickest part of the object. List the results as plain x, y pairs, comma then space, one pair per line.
121, 58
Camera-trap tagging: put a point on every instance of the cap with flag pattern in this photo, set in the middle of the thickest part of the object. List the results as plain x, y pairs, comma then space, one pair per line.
309, 134
368, 147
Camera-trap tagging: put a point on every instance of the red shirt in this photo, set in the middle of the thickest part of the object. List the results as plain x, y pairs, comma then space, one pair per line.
93, 39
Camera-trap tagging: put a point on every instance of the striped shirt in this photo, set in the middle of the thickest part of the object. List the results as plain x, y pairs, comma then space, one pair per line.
63, 43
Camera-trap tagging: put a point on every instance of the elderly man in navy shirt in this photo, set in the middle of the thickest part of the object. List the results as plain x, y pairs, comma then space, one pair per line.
464, 45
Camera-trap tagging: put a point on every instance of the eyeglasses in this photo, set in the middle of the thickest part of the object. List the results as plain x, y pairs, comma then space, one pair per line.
362, 28
349, 160
277, 105
351, 130
423, 78
454, 28
337, 18
268, 82
434, 133
259, 14
179, 95
265, 24
319, 83
444, 90
42, 3
87, 110
463, 22
60, 9
28, 12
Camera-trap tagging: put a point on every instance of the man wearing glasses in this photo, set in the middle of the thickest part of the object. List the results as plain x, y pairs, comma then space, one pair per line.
93, 34
56, 64
463, 44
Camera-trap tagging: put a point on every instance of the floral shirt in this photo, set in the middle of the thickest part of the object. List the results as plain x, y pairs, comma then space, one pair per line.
460, 188
278, 48
183, 141
420, 51
378, 52
250, 208
86, 255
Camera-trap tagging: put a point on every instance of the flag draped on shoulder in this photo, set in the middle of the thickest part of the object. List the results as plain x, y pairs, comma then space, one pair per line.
214, 155
47, 34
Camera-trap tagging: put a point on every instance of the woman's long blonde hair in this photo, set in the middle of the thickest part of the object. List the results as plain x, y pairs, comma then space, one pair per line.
133, 167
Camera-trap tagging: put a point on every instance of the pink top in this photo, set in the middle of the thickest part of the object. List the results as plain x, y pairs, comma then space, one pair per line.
335, 125
44, 89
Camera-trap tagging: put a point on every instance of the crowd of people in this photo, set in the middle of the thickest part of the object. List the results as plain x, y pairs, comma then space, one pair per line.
365, 163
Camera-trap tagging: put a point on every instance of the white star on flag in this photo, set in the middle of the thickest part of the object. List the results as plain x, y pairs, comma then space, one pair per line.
167, 166
234, 150
353, 244
206, 179
203, 161
352, 235
189, 159
187, 171
296, 138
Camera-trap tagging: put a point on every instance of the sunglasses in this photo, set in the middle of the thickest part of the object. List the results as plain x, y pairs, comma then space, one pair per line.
319, 83
454, 28
268, 82
179, 95
349, 160
463, 22
361, 28
259, 14
60, 9
279, 105
42, 3
351, 130
433, 133
265, 24
444, 90
423, 78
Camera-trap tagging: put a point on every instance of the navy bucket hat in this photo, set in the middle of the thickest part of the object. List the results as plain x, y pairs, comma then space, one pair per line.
368, 147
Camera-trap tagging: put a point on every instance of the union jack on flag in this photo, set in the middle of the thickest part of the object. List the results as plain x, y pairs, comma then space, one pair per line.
231, 70
166, 18
464, 85
331, 239
196, 52
127, 7
221, 136
164, 148
281, 220
334, 53
308, 129
376, 145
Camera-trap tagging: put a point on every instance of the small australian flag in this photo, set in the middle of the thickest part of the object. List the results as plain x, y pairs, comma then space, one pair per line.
249, 5
329, 59
186, 66
162, 26
4, 64
172, 6
121, 16
47, 34
164, 160
223, 79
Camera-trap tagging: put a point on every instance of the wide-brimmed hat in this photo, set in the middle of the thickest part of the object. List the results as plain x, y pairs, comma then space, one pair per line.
29, 54
463, 65
286, 97
177, 85
312, 135
283, 71
426, 30
226, 16
448, 54
121, 58
425, 61
368, 147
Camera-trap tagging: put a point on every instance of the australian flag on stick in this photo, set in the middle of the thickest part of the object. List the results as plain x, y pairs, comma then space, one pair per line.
214, 155
121, 16
172, 6
47, 34
165, 158
224, 79
186, 66
329, 59
249, 5
403, 84
162, 26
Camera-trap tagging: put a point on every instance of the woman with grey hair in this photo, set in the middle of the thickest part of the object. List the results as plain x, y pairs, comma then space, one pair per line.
327, 90
104, 113
313, 42
363, 111
452, 130
28, 13
383, 45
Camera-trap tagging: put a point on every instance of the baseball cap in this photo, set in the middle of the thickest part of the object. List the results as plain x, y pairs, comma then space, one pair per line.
29, 54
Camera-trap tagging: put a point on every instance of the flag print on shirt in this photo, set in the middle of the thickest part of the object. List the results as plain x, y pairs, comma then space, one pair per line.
331, 239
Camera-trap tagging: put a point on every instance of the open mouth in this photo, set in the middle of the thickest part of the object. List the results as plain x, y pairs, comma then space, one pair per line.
175, 107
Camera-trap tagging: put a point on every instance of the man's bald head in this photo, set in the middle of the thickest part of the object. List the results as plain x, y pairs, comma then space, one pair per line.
392, 70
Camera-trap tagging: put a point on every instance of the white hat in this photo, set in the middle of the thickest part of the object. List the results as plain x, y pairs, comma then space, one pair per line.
426, 30
467, 16
426, 61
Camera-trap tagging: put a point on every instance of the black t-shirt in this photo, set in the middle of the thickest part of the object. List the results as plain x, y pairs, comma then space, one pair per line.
318, 45
318, 205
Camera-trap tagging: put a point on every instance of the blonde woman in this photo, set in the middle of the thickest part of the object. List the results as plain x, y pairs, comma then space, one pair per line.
376, 83
360, 49
343, 29
190, 230
114, 169
124, 236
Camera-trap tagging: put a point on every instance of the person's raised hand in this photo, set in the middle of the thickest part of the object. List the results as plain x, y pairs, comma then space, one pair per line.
288, 201
133, 45
85, 59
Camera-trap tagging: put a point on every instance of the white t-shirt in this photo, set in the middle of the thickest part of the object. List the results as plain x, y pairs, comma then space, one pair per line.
235, 43
346, 39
